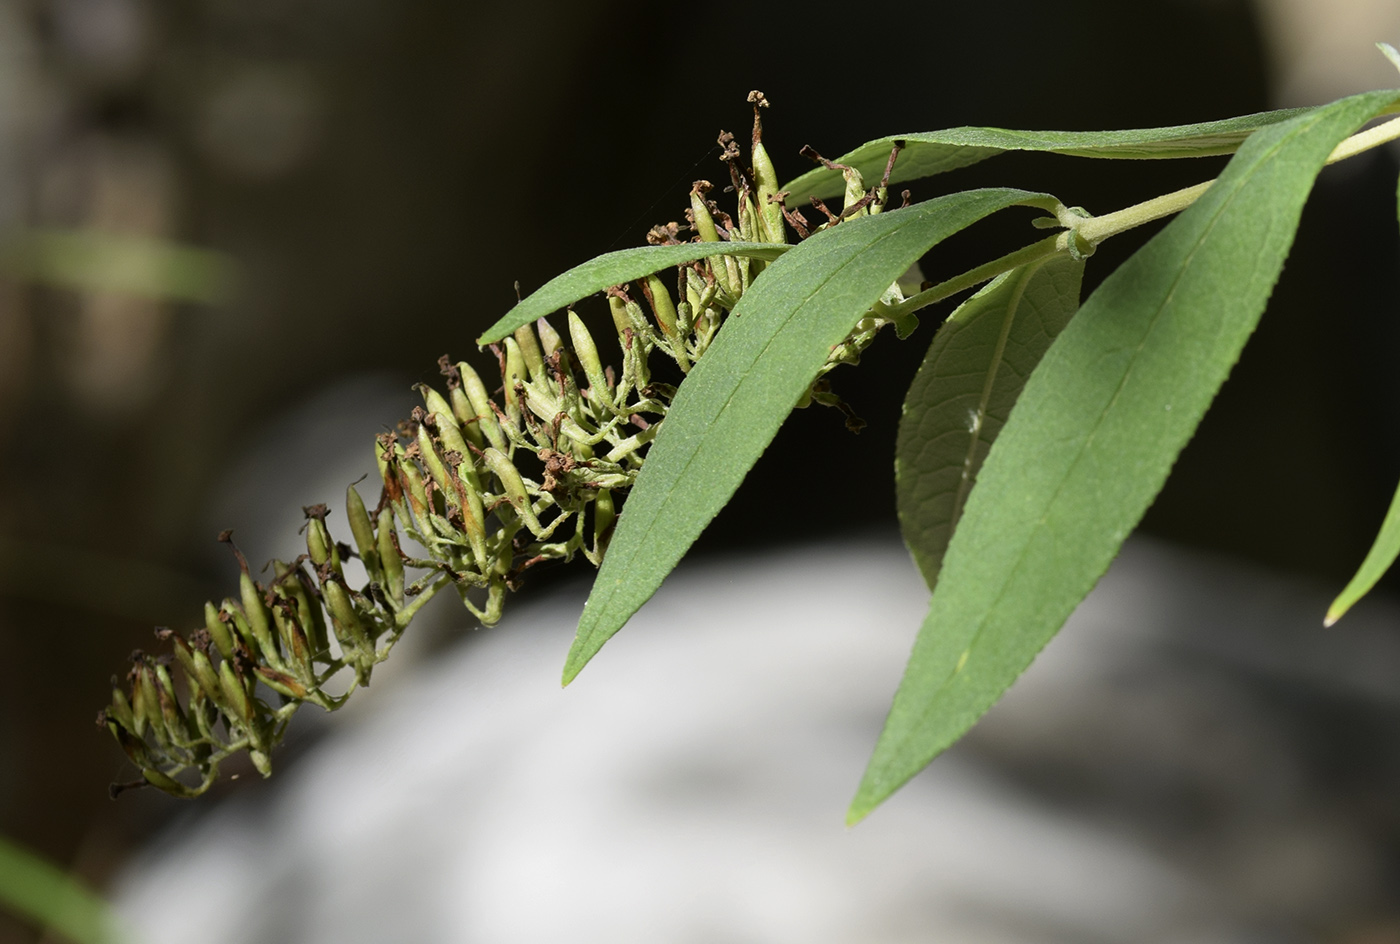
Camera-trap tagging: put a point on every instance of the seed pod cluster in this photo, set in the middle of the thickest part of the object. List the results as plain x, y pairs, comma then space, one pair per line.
475, 489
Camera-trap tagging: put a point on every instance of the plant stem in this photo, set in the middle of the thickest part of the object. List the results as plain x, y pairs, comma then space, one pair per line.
1096, 229
983, 273
430, 591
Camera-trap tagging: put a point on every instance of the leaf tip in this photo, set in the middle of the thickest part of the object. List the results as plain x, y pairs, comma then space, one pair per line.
869, 795
1389, 52
855, 814
1335, 612
573, 665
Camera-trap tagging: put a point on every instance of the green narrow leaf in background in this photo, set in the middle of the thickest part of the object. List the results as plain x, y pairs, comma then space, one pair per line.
1378, 560
970, 378
615, 268
1094, 434
92, 261
935, 152
33, 888
733, 401
1387, 544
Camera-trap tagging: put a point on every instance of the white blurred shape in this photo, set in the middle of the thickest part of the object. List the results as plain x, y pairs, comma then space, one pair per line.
689, 786
1321, 50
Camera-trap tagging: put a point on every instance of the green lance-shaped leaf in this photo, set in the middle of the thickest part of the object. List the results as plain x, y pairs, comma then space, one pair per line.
1387, 544
615, 268
1378, 560
733, 401
974, 371
1095, 432
935, 152
36, 890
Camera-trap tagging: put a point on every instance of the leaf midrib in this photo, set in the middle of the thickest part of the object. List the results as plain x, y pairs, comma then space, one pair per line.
965, 480
650, 526
1226, 202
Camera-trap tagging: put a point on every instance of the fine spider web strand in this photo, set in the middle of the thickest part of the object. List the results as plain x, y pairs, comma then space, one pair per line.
688, 174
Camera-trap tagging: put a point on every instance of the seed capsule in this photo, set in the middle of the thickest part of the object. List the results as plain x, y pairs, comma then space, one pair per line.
197, 668
233, 614
515, 372
298, 650
309, 616
360, 525
514, 485
389, 558
549, 338
171, 715
432, 460
604, 518
166, 783
530, 350
281, 682
218, 631
468, 492
481, 406
855, 188
417, 497
120, 710
451, 438
621, 320
131, 744
765, 179
387, 463
701, 218
661, 305
466, 417
433, 400
258, 619
587, 353
694, 290
235, 702
319, 546
349, 629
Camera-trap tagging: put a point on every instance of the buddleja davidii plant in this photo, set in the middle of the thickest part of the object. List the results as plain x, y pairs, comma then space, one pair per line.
1011, 524
476, 488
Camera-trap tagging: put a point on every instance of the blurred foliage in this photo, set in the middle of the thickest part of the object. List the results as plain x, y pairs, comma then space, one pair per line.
91, 261
33, 888
382, 173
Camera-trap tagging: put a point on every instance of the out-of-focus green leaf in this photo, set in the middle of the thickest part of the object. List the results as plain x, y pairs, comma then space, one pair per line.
1378, 560
733, 401
34, 889
935, 152
91, 261
1094, 434
615, 268
974, 371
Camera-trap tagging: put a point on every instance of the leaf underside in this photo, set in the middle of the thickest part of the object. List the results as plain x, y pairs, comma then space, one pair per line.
960, 398
733, 401
1094, 434
615, 268
928, 153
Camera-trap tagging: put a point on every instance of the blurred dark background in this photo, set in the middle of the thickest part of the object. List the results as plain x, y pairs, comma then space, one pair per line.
378, 175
